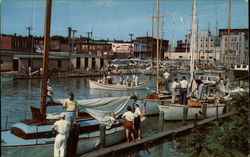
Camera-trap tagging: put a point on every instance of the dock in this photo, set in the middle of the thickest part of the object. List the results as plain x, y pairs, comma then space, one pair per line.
158, 136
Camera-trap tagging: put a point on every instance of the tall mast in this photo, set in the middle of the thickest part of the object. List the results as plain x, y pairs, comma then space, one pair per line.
157, 47
45, 58
228, 35
152, 41
193, 40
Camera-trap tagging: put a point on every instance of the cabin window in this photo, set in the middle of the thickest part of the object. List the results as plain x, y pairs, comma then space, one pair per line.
1, 61
244, 66
202, 57
180, 56
238, 66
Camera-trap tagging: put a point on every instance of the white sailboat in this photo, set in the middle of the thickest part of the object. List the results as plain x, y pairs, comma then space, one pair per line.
175, 111
152, 100
34, 137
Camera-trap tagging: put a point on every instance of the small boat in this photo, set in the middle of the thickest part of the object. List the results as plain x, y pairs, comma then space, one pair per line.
99, 85
241, 71
175, 111
30, 137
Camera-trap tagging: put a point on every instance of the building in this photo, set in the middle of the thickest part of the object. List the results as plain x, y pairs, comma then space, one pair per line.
151, 48
238, 46
122, 50
96, 47
140, 49
58, 61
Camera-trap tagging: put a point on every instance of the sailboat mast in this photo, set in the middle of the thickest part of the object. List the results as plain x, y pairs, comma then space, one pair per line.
228, 35
157, 47
45, 57
193, 40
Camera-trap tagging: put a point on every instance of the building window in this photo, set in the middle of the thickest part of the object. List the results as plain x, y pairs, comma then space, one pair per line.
225, 39
202, 57
59, 63
1, 61
78, 62
212, 39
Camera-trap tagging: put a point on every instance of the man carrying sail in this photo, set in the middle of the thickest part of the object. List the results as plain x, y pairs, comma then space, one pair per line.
70, 106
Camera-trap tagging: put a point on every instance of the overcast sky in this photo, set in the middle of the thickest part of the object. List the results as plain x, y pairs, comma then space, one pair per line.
118, 18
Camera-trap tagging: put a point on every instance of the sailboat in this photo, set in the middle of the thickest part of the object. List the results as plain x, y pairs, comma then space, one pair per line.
214, 105
152, 100
34, 137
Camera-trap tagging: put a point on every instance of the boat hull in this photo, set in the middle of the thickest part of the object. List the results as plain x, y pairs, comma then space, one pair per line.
175, 112
86, 143
96, 85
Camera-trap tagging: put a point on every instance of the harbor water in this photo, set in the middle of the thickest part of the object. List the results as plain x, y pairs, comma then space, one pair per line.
18, 95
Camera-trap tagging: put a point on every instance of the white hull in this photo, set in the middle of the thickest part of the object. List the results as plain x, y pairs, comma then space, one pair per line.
97, 85
151, 107
86, 143
175, 111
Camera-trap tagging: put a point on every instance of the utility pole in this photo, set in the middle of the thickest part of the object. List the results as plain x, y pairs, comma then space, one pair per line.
73, 40
131, 37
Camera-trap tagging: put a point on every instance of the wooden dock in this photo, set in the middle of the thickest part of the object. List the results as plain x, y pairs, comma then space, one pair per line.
107, 150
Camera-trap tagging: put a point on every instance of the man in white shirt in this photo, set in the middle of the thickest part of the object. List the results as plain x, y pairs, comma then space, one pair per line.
174, 86
129, 123
70, 106
183, 90
62, 127
167, 80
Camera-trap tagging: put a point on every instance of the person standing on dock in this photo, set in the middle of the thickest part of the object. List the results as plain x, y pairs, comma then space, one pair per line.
137, 122
226, 84
71, 108
183, 90
62, 128
167, 80
136, 80
129, 123
174, 86
201, 87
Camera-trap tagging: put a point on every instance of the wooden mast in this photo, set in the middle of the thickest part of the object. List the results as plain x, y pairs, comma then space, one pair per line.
157, 47
45, 58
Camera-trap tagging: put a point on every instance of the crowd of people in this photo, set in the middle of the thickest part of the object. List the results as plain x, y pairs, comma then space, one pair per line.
124, 80
222, 85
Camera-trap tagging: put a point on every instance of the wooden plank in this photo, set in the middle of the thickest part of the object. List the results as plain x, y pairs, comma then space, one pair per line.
154, 137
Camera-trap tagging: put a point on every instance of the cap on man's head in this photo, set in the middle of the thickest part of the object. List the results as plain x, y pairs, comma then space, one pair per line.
62, 115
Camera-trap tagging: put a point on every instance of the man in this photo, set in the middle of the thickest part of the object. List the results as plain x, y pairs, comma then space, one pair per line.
136, 80
62, 128
174, 86
167, 80
71, 107
183, 90
137, 121
129, 123
201, 87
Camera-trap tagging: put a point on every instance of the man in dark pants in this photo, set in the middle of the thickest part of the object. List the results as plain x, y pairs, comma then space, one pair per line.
183, 90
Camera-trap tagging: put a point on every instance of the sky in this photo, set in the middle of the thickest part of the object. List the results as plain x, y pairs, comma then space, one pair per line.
118, 18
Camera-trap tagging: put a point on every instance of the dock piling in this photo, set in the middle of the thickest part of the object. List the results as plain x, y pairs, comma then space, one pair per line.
195, 119
204, 111
217, 112
161, 120
185, 113
102, 135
